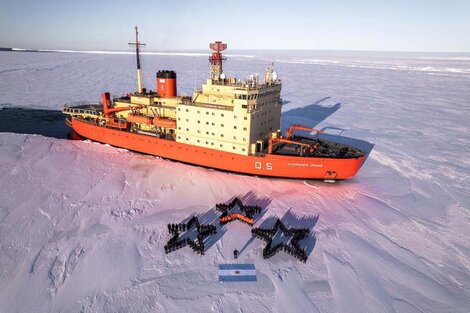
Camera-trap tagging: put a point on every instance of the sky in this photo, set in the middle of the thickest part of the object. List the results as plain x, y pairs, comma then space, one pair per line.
380, 25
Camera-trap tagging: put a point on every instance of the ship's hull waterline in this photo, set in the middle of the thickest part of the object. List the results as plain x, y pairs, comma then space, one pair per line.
270, 165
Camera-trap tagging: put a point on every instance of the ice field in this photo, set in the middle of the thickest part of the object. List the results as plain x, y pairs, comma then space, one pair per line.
83, 225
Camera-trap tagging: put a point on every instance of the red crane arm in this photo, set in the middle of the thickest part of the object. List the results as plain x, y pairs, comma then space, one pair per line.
291, 129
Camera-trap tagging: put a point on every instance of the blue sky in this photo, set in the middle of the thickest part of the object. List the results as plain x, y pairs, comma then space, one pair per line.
393, 25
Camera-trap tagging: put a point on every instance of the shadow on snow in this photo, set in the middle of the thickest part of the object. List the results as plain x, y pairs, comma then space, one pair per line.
290, 220
49, 123
313, 114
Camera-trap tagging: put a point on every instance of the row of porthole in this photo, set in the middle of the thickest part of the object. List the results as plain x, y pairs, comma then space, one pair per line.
222, 101
259, 115
213, 124
222, 135
187, 139
212, 144
213, 134
213, 114
266, 122
221, 145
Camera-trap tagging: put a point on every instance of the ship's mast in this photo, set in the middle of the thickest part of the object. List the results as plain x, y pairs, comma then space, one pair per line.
137, 45
216, 59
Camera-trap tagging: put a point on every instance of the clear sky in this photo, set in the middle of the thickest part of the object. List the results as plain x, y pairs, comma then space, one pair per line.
384, 25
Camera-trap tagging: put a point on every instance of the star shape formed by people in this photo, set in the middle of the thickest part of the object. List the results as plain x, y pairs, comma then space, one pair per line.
236, 210
191, 233
290, 246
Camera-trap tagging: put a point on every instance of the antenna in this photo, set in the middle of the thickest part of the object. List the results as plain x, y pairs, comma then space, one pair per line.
194, 72
137, 45
216, 59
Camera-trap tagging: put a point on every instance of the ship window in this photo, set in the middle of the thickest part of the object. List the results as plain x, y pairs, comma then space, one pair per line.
243, 149
244, 139
244, 106
207, 123
179, 128
221, 145
187, 129
213, 134
187, 120
179, 109
179, 137
235, 137
213, 113
207, 113
187, 139
198, 131
179, 119
198, 111
222, 125
212, 143
221, 135
234, 148
234, 116
207, 133
222, 114
244, 128
234, 127
198, 140
199, 122
187, 110
207, 143
213, 123
245, 118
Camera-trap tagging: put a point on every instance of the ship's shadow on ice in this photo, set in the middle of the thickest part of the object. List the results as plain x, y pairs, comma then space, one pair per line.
49, 123
309, 115
313, 114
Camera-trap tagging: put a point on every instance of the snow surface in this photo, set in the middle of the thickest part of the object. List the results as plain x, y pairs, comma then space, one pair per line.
83, 225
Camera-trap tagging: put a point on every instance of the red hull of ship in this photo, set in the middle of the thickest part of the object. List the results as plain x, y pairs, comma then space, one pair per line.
269, 165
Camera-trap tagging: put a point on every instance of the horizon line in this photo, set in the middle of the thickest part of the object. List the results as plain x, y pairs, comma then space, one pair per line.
164, 51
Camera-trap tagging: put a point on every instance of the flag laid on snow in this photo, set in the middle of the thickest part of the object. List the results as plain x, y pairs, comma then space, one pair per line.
237, 272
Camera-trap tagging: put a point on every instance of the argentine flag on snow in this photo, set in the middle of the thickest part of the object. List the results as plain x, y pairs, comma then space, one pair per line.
237, 272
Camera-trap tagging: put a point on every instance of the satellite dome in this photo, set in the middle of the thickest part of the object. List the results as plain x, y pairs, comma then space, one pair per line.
274, 76
222, 76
